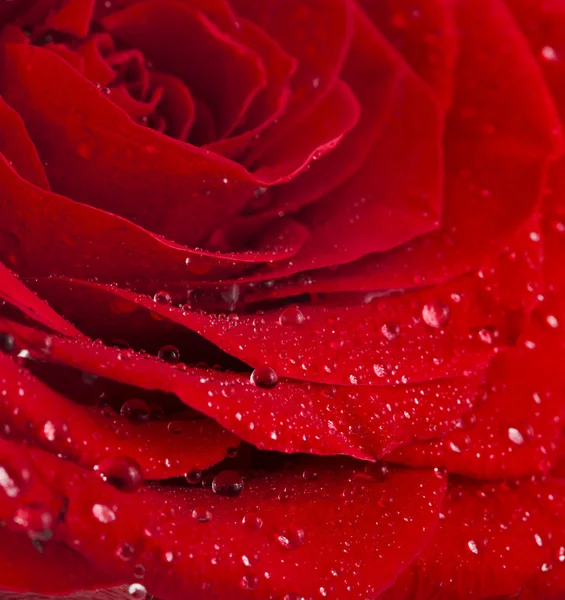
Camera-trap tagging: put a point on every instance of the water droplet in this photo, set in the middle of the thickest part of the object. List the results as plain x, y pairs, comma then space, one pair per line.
125, 552
135, 411
390, 330
381, 369
291, 315
14, 481
552, 321
472, 545
35, 520
249, 582
232, 452
7, 342
123, 472
137, 591
228, 483
103, 513
457, 441
548, 53
264, 377
488, 335
291, 538
202, 514
519, 437
435, 314
162, 298
174, 427
169, 354
193, 477
252, 521
55, 430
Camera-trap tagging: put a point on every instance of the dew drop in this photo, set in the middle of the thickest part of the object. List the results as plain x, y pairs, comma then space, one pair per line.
249, 582
174, 427
103, 513
202, 514
264, 377
169, 354
488, 335
252, 521
516, 436
136, 411
193, 477
291, 315
549, 54
390, 330
125, 552
381, 369
123, 472
7, 342
435, 314
458, 442
472, 545
291, 538
35, 520
227, 483
162, 298
13, 481
137, 591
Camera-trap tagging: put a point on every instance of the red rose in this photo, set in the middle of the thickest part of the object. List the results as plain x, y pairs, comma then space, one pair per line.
282, 299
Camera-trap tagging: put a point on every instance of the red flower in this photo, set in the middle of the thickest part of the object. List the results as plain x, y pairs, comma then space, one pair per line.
282, 299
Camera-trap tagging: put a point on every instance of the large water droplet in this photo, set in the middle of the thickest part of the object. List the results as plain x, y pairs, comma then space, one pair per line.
169, 354
202, 514
228, 483
252, 521
136, 411
435, 314
162, 298
193, 477
103, 513
291, 315
457, 441
264, 377
390, 330
7, 342
123, 472
14, 481
137, 591
291, 538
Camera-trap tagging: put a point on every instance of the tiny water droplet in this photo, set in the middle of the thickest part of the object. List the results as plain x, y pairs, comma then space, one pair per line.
14, 481
458, 441
123, 472
249, 582
291, 315
227, 483
264, 377
35, 520
381, 369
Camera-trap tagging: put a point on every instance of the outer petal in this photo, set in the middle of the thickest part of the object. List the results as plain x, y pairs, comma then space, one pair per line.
491, 542
177, 554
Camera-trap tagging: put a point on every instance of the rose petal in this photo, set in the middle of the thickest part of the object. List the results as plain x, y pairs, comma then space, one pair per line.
176, 553
318, 35
72, 17
87, 434
319, 133
13, 291
176, 105
33, 218
491, 542
361, 421
226, 75
424, 32
56, 569
96, 142
515, 433
17, 147
497, 150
